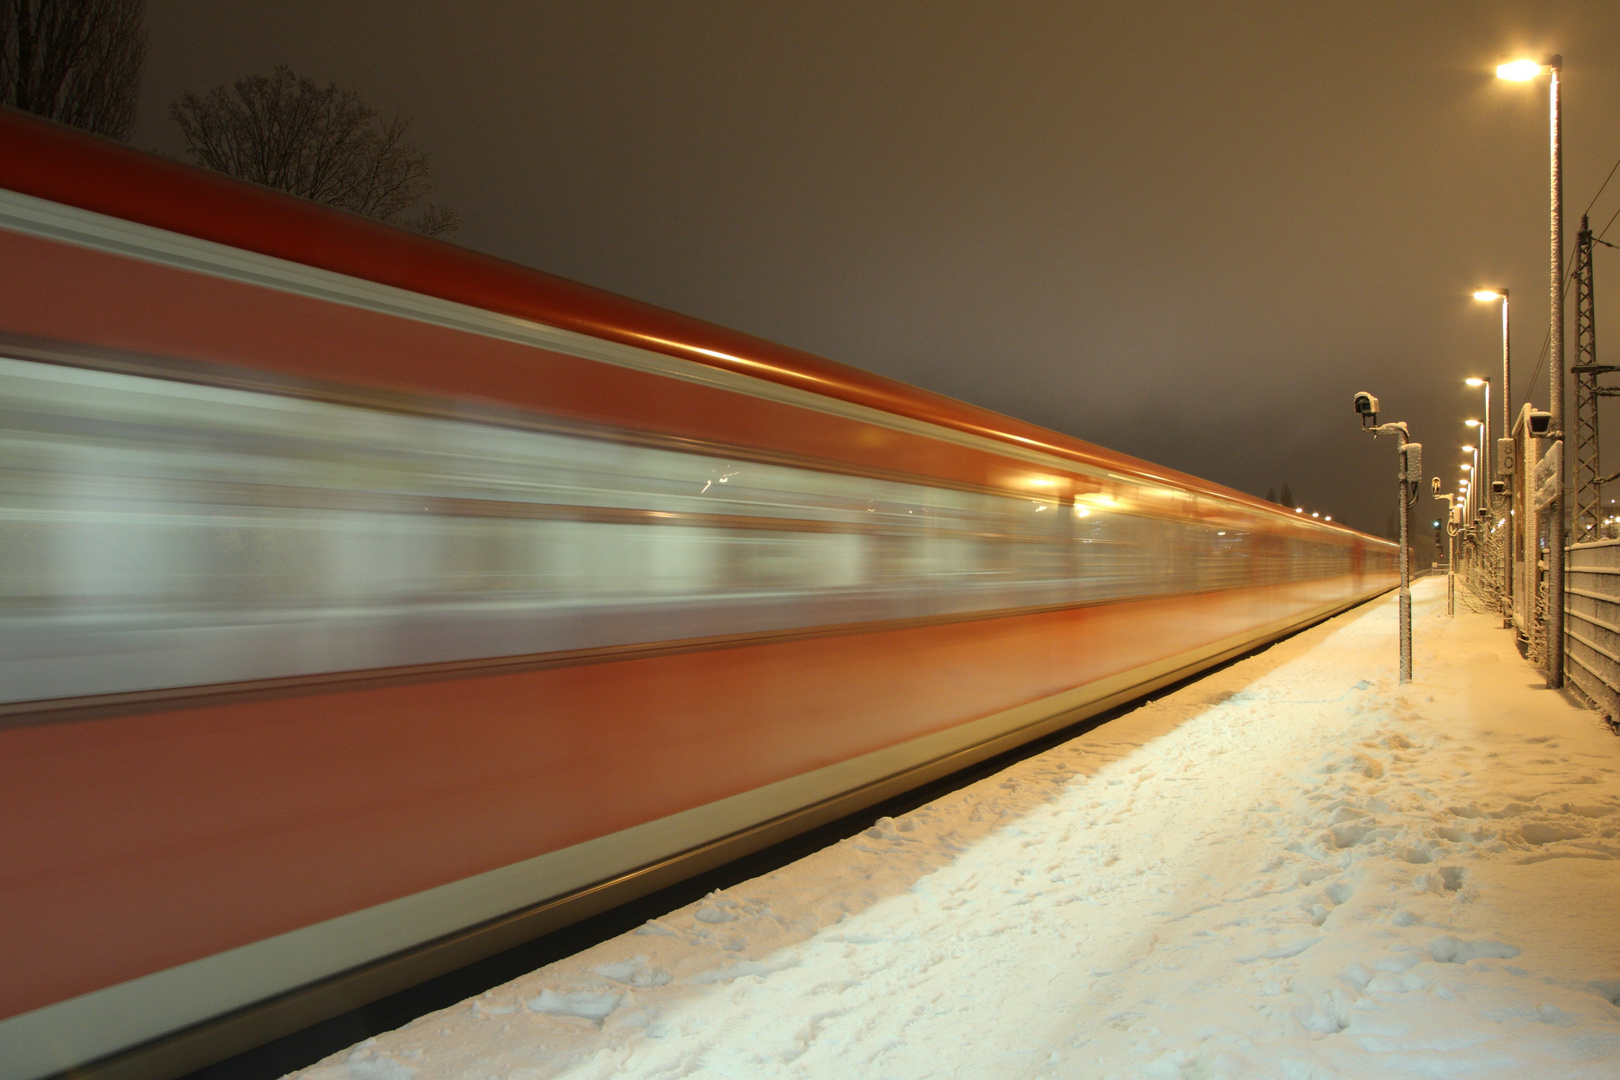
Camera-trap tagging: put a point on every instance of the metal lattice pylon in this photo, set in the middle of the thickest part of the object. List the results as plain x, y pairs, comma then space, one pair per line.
1588, 492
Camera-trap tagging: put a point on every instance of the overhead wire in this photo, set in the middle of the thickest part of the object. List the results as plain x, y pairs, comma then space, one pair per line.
1601, 186
1600, 235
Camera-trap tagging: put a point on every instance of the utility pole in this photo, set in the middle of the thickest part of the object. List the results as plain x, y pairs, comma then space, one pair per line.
1555, 394
1523, 71
1410, 473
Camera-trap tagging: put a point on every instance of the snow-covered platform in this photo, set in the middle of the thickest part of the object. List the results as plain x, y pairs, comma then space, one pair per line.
1293, 868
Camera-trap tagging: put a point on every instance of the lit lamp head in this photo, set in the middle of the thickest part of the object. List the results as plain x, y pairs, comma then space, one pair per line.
1476, 381
1472, 423
1525, 70
1490, 294
1468, 468
1468, 449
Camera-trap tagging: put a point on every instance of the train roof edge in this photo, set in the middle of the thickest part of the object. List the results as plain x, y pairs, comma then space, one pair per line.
51, 161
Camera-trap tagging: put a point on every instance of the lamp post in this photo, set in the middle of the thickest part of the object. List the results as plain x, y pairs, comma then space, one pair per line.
1465, 512
1481, 479
1484, 427
1470, 518
1523, 71
1507, 358
1486, 446
1506, 394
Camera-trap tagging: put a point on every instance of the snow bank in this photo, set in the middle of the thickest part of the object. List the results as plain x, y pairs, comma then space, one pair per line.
1293, 868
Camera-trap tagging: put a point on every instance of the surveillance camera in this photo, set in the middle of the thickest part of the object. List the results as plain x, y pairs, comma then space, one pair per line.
1498, 487
1366, 404
1434, 485
1540, 423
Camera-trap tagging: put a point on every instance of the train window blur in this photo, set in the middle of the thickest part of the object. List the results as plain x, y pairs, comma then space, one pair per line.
157, 533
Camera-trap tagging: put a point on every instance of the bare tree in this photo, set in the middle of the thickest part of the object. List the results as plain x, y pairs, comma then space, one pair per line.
322, 143
77, 61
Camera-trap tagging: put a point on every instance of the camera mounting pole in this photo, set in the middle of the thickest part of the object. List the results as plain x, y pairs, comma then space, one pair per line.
1451, 545
1410, 473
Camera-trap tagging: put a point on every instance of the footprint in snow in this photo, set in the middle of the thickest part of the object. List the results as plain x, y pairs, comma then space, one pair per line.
634, 972
585, 1006
1449, 950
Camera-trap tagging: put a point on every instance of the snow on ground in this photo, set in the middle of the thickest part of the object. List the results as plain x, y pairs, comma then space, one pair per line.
1293, 868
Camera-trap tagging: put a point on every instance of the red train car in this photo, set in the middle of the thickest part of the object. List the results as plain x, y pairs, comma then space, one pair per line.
371, 605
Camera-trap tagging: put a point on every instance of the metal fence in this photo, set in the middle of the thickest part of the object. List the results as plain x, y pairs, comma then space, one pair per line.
1592, 622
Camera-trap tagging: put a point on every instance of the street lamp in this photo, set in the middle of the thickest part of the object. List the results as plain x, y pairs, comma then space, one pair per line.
1523, 71
1469, 449
1483, 498
1487, 446
1484, 425
1506, 389
1506, 394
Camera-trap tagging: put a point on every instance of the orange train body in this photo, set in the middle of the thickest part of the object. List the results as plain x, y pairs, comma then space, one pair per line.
366, 587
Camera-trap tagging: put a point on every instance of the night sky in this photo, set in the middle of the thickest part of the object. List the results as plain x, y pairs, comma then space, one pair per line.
1187, 231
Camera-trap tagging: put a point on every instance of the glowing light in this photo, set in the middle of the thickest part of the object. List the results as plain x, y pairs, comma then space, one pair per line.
1518, 70
1487, 294
1299, 509
1472, 423
1476, 382
1328, 518
1081, 511
1314, 514
1468, 449
1468, 468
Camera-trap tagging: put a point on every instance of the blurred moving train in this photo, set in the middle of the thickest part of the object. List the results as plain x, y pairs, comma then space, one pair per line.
371, 605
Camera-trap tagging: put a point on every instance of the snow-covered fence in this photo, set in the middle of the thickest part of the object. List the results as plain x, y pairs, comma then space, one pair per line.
1592, 622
